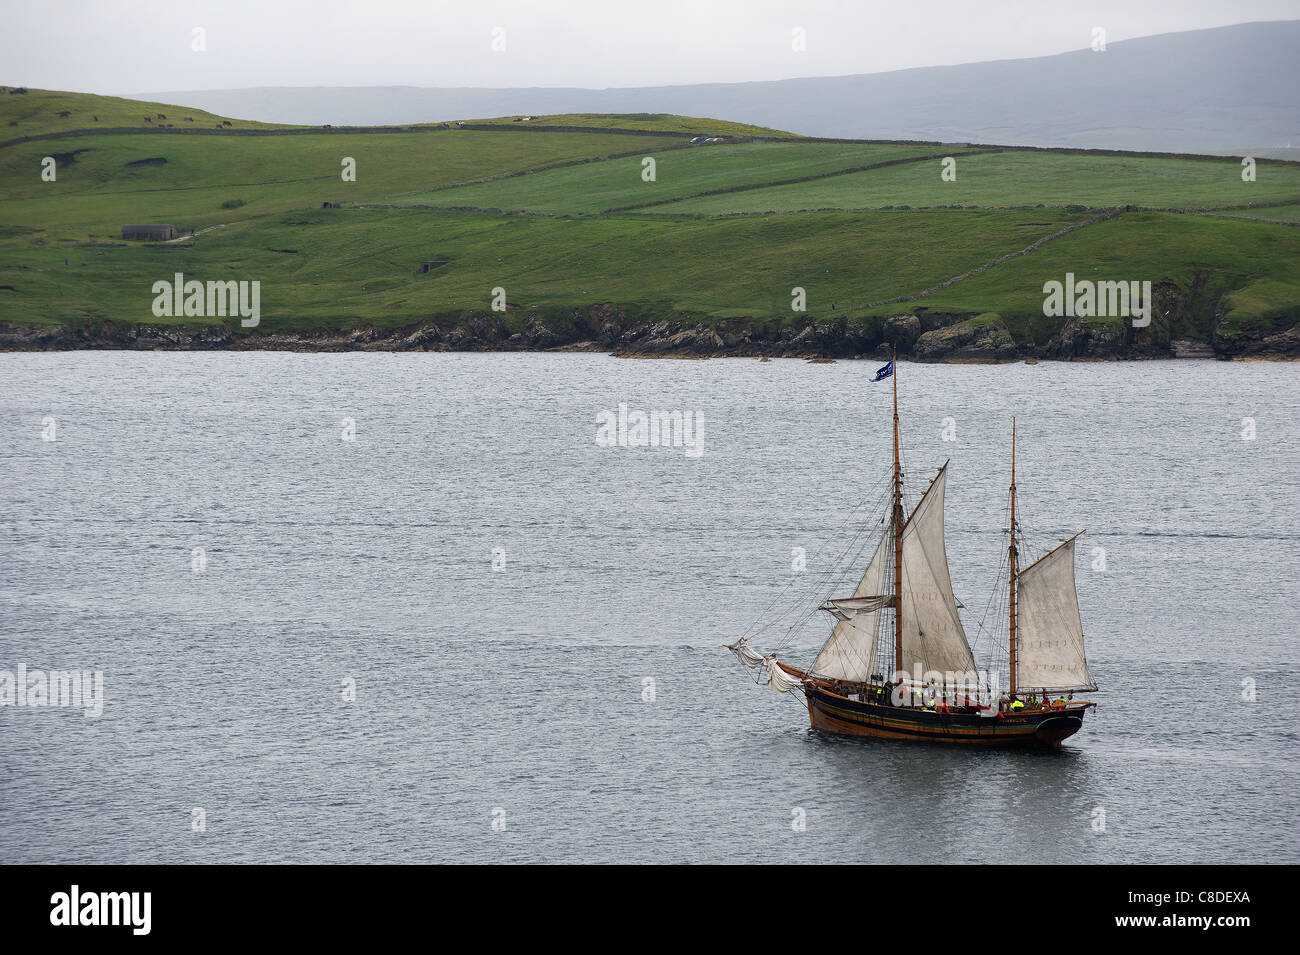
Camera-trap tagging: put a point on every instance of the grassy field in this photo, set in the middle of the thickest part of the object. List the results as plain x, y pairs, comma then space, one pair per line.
1287, 213
37, 111
614, 184
97, 190
564, 244
1212, 256
336, 265
1022, 178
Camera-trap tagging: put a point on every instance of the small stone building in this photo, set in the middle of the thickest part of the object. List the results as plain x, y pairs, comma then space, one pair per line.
151, 233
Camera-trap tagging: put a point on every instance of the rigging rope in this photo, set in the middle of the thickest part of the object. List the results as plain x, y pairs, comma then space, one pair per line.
816, 583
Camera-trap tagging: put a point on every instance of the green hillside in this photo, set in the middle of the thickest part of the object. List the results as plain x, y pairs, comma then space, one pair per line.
29, 112
1024, 178
558, 212
619, 184
98, 190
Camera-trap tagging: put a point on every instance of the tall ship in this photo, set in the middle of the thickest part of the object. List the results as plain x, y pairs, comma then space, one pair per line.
897, 664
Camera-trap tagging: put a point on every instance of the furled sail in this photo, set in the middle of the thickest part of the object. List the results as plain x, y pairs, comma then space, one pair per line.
1049, 633
850, 653
745, 653
841, 606
777, 680
932, 632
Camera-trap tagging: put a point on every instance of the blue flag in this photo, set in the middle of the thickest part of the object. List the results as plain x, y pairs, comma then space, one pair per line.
885, 372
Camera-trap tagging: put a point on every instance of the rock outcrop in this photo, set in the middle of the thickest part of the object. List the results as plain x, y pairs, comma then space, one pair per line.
967, 341
923, 336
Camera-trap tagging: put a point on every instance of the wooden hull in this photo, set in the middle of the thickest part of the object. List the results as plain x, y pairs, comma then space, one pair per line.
833, 713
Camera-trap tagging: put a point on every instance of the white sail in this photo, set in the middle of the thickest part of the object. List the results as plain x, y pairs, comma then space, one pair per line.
846, 605
745, 653
1049, 633
850, 653
932, 632
777, 680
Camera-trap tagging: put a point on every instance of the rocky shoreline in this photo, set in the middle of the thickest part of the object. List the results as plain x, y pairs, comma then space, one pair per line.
926, 337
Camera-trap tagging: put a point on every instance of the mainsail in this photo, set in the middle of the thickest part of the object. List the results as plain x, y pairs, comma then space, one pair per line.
932, 632
1049, 633
850, 653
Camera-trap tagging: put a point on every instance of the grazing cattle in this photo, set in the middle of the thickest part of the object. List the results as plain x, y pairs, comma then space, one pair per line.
162, 115
189, 119
226, 123
95, 118
13, 122
148, 119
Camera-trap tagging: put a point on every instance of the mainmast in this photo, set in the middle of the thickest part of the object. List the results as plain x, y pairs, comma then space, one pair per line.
898, 532
1011, 554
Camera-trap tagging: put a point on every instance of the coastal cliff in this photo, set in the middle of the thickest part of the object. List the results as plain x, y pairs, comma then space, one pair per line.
921, 336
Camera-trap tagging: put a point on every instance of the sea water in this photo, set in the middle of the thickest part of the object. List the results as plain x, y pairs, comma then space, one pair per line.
410, 607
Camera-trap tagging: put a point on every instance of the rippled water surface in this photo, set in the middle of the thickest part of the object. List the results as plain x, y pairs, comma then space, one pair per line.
522, 691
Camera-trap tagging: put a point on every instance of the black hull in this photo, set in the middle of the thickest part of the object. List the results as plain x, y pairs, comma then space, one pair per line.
1027, 728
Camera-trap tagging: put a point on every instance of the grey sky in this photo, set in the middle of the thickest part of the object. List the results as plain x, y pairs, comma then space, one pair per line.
131, 47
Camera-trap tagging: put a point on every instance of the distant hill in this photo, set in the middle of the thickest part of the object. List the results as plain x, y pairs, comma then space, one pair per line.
1227, 89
